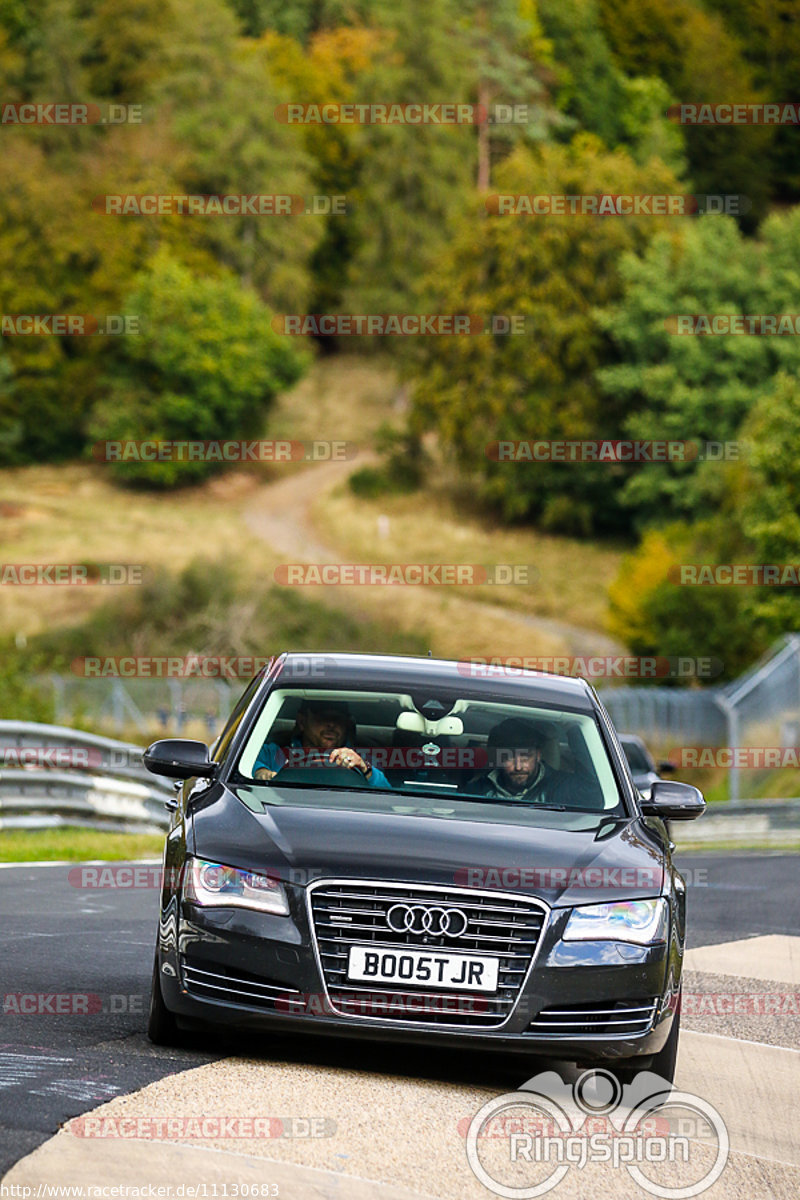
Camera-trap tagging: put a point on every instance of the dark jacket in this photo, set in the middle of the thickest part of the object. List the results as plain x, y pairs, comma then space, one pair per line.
548, 786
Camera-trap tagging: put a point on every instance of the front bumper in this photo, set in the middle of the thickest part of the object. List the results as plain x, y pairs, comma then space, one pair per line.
588, 1001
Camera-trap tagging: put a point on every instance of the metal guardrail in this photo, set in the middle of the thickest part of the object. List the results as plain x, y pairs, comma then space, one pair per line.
46, 799
772, 822
30, 744
106, 786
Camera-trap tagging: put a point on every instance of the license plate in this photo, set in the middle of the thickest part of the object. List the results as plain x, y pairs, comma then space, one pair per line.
424, 968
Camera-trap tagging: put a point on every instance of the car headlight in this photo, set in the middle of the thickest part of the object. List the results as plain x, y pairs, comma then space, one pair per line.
642, 922
212, 884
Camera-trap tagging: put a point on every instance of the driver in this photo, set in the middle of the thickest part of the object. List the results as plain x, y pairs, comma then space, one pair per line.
320, 732
520, 773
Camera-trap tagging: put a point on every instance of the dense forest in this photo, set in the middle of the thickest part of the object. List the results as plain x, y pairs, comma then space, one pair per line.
403, 218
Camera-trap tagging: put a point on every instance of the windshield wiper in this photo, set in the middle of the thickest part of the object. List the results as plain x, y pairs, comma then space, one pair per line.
537, 807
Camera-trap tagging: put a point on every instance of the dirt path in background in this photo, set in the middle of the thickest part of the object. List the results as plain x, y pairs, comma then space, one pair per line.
280, 514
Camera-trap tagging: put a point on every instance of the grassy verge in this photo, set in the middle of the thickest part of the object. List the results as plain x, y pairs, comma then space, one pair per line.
74, 514
72, 844
343, 398
351, 398
208, 580
568, 578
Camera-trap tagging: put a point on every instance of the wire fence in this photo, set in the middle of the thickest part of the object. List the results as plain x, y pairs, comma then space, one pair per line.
756, 718
160, 707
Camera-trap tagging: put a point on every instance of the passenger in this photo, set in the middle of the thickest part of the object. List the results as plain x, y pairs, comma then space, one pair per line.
319, 736
515, 745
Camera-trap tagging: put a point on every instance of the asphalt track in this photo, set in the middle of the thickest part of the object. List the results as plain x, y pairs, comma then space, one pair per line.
396, 1111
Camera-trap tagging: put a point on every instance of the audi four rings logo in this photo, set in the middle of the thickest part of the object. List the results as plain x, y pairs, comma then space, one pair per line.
419, 918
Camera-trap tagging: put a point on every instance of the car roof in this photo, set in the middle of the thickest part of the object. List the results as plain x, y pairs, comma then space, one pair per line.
392, 672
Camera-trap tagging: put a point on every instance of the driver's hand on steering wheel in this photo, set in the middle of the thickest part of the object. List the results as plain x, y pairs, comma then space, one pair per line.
343, 756
265, 773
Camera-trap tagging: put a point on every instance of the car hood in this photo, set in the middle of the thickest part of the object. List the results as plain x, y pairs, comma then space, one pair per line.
599, 859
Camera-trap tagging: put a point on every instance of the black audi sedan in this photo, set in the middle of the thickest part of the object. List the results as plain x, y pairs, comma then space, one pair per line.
419, 850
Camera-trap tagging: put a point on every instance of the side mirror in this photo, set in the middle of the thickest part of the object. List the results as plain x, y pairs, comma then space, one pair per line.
179, 758
672, 801
666, 767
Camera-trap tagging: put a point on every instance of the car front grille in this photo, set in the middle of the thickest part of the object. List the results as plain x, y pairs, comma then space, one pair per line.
346, 914
212, 981
608, 1018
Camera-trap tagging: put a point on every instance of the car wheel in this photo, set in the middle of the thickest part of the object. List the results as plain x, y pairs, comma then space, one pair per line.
665, 1061
162, 1028
661, 1064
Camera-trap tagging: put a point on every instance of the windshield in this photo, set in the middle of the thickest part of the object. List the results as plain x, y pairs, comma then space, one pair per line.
448, 752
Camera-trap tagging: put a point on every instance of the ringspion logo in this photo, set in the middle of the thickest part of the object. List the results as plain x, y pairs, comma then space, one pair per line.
549, 1127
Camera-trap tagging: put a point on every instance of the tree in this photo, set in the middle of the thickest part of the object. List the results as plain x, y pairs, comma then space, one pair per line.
299, 19
206, 366
769, 500
589, 84
415, 180
505, 48
757, 522
219, 98
769, 35
700, 61
329, 70
10, 430
767, 496
555, 272
697, 389
655, 615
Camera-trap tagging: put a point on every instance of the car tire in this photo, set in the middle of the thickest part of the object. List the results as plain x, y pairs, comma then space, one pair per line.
162, 1028
665, 1061
662, 1064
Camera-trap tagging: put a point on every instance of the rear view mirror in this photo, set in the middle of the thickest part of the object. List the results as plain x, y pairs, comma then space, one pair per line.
414, 722
672, 801
179, 758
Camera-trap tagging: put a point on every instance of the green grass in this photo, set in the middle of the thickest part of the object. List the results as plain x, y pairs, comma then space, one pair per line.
73, 844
